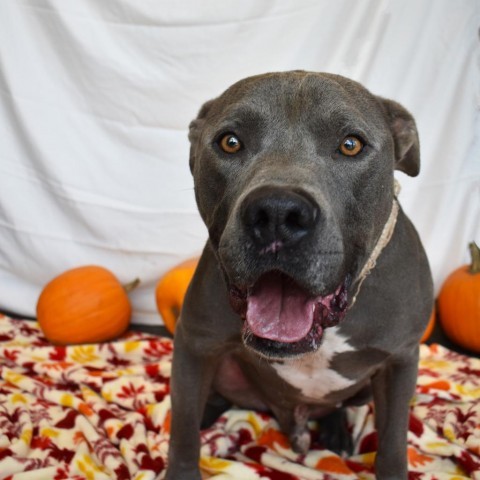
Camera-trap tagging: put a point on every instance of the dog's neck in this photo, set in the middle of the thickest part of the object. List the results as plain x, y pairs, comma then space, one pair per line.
382, 241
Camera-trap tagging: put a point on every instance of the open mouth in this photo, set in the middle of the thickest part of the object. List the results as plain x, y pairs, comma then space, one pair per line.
281, 319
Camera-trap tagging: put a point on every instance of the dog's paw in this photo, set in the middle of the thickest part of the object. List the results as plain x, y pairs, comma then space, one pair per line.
182, 476
300, 441
334, 434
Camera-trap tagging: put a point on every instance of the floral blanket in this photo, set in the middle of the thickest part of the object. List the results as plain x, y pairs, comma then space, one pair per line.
103, 412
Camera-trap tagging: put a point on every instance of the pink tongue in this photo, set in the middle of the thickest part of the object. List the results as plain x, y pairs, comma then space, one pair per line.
279, 310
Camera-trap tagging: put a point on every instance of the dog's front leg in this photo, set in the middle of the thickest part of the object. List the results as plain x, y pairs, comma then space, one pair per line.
192, 375
393, 388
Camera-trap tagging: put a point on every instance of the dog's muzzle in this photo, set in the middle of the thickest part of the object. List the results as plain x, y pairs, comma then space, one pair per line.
281, 317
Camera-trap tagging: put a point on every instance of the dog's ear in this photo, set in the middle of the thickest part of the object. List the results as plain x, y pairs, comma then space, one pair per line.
405, 136
195, 128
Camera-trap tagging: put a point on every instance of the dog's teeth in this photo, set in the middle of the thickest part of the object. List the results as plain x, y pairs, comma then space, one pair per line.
340, 301
322, 312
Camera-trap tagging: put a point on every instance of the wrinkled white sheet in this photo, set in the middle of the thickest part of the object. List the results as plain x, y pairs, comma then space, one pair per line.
96, 97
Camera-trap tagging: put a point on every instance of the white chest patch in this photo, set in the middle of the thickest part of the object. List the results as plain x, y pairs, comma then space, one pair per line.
311, 374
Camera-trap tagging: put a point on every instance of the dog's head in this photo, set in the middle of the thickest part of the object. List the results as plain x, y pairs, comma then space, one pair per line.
294, 180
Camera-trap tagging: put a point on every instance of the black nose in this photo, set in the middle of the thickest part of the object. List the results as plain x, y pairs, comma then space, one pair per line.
275, 216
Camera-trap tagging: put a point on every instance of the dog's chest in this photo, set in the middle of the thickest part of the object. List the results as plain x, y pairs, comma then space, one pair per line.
312, 374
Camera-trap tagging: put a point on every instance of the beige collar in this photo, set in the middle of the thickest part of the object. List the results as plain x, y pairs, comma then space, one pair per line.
382, 241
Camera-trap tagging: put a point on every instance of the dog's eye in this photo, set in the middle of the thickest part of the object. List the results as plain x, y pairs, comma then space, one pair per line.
230, 143
351, 146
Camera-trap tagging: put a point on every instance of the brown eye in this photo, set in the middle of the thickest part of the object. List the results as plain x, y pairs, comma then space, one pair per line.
230, 143
351, 146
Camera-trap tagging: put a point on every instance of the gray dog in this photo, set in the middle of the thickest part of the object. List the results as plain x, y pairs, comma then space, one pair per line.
313, 289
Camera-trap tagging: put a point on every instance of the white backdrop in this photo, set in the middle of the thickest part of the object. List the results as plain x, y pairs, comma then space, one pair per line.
96, 97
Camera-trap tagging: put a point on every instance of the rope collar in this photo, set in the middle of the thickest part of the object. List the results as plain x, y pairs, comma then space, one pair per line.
382, 242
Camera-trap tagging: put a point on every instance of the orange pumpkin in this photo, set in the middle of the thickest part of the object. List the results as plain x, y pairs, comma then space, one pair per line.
84, 305
459, 303
171, 290
431, 325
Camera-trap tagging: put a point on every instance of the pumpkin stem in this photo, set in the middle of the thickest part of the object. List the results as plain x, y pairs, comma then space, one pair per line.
475, 254
132, 285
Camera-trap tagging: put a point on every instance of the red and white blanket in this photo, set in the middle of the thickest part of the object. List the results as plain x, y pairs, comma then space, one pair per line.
103, 412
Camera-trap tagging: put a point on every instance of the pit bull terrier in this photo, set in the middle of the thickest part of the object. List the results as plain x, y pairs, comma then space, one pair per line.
313, 289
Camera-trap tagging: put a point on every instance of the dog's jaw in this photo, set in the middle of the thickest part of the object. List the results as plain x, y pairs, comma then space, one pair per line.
281, 319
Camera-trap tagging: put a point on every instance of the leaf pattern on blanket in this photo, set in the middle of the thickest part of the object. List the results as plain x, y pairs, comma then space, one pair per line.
103, 412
